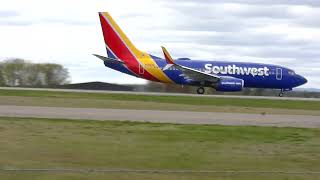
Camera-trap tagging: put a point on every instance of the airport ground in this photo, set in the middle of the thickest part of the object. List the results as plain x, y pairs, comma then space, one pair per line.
51, 143
150, 101
205, 151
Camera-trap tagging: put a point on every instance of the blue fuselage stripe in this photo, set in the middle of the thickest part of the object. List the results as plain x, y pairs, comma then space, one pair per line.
255, 75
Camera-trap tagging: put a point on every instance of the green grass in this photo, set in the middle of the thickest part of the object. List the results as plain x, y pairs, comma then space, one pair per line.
152, 176
141, 105
54, 143
182, 100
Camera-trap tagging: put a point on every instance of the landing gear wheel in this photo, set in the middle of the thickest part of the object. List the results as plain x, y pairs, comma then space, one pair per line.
281, 93
200, 90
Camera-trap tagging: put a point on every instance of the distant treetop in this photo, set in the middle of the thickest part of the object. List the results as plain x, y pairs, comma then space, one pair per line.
19, 72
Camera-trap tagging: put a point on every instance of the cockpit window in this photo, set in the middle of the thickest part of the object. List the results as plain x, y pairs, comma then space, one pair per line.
291, 72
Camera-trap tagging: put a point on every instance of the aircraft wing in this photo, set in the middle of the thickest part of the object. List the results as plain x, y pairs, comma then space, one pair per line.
189, 73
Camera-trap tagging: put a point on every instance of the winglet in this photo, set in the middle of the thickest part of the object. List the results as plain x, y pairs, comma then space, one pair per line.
167, 56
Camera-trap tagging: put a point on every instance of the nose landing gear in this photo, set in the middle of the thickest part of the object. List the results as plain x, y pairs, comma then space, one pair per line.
284, 90
200, 90
281, 93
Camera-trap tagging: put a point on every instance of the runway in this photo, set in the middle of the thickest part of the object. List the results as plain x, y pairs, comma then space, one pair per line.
162, 94
177, 117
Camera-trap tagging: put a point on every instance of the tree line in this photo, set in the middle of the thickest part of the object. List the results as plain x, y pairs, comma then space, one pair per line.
19, 72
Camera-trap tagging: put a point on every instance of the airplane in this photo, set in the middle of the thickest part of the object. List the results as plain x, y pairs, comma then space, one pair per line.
223, 76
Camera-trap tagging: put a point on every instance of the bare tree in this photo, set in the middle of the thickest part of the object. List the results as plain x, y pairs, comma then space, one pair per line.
2, 80
18, 72
55, 74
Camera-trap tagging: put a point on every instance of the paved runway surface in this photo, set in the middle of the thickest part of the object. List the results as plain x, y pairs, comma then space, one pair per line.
179, 117
163, 94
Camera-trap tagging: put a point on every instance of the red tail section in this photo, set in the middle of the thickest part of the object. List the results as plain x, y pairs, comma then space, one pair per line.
121, 47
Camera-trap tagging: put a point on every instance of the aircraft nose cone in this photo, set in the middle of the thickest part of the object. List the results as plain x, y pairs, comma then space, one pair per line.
301, 80
304, 80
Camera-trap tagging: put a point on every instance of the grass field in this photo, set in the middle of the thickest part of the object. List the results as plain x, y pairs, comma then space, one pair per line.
52, 143
128, 101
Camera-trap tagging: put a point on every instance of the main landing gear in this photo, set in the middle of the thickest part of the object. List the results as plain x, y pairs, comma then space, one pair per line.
200, 90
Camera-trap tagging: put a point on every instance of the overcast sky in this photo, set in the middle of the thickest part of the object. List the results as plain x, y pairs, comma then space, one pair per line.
284, 32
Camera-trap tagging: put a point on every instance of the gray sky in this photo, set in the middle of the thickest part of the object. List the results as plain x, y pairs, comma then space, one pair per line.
284, 32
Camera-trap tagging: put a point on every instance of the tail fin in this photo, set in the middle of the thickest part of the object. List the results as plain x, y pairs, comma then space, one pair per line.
120, 47
117, 43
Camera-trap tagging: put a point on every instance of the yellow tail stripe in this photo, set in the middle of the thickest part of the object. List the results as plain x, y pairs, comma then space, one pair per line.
145, 60
153, 68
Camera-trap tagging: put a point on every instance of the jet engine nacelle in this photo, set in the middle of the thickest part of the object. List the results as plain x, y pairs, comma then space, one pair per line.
229, 84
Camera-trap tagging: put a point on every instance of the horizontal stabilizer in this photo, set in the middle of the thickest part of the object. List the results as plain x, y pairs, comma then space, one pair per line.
107, 59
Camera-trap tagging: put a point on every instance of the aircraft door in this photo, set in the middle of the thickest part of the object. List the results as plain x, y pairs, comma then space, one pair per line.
279, 73
141, 69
